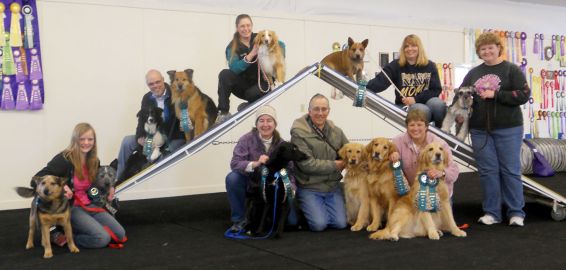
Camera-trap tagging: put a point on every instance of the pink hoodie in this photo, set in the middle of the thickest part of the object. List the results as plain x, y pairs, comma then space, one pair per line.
409, 154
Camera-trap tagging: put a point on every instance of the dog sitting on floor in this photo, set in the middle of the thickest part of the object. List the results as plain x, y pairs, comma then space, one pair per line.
459, 112
100, 189
154, 144
50, 207
271, 193
271, 56
195, 110
426, 210
356, 190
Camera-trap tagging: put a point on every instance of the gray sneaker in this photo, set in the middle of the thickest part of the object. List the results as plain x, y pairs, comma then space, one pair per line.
222, 116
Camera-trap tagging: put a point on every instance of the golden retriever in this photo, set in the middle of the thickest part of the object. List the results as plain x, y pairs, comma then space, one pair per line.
382, 192
200, 108
407, 220
270, 55
356, 185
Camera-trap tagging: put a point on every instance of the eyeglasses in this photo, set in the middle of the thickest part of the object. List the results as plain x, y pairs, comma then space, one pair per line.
320, 109
154, 83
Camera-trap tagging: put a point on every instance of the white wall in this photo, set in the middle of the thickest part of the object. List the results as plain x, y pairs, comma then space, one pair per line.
96, 53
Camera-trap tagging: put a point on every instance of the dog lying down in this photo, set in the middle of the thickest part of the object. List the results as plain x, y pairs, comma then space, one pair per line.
49, 207
266, 213
426, 210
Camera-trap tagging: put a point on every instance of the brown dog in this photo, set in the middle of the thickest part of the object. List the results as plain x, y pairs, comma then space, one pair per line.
356, 185
382, 192
194, 109
407, 220
50, 207
270, 55
350, 61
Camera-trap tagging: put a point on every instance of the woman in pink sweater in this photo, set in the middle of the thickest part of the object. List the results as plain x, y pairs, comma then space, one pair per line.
410, 143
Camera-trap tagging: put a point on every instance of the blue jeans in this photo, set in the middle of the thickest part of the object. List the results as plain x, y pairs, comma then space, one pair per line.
88, 228
130, 144
498, 156
435, 110
323, 209
236, 185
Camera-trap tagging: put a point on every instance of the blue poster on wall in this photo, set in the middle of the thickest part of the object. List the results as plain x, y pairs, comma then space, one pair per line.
21, 76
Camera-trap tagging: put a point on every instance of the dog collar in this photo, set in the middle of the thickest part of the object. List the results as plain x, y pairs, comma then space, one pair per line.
427, 197
186, 123
401, 184
147, 146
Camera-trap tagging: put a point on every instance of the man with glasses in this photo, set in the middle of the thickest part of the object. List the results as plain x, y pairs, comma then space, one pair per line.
158, 96
319, 194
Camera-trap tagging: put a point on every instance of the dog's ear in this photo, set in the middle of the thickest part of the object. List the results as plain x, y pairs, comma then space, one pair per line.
455, 99
446, 161
392, 147
60, 180
368, 149
350, 42
189, 72
342, 151
171, 74
140, 112
365, 43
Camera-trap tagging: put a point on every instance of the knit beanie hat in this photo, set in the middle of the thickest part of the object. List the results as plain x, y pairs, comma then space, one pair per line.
266, 110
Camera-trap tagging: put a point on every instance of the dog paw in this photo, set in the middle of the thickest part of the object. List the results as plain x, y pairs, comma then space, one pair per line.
459, 233
47, 254
356, 227
74, 249
372, 228
29, 245
433, 235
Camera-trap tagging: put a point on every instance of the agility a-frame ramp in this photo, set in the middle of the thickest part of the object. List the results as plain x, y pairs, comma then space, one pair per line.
377, 105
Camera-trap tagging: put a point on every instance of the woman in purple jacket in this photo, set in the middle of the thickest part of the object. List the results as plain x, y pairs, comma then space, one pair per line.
251, 151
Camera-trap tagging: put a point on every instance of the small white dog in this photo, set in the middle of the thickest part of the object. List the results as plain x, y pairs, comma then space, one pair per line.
459, 112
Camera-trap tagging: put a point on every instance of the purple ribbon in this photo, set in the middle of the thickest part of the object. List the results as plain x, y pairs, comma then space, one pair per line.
35, 101
541, 36
22, 102
7, 96
523, 43
536, 47
20, 76
35, 66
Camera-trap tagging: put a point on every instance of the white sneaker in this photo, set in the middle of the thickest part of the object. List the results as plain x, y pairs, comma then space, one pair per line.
517, 221
487, 220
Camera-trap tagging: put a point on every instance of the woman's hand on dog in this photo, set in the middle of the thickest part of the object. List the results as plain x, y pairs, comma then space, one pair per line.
111, 193
435, 174
394, 157
253, 53
262, 160
68, 192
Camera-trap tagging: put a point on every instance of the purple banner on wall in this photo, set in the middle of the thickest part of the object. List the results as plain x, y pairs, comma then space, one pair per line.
21, 75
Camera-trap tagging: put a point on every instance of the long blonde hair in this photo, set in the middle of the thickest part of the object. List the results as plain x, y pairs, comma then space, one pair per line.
412, 39
73, 153
236, 38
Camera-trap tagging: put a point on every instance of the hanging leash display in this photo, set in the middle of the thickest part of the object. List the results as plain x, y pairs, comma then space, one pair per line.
427, 199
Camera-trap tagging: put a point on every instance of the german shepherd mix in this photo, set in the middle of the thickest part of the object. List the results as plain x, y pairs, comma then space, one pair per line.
201, 109
350, 61
267, 209
50, 207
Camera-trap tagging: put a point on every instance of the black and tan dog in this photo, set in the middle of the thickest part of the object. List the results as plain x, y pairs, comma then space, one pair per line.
200, 111
50, 207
